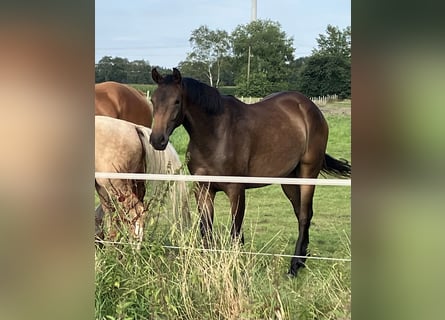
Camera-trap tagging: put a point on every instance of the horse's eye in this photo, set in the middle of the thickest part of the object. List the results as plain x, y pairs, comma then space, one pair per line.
177, 102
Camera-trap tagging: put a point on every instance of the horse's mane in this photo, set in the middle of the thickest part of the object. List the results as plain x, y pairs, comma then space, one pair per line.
201, 94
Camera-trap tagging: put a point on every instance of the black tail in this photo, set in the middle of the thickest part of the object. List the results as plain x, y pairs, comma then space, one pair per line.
339, 168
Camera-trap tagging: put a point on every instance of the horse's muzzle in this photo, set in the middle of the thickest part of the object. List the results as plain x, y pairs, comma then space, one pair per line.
159, 141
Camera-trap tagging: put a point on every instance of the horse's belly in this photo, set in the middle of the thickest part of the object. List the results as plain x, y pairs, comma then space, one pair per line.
272, 166
275, 155
272, 160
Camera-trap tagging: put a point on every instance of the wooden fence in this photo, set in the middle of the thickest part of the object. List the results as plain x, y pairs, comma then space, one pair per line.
322, 101
319, 101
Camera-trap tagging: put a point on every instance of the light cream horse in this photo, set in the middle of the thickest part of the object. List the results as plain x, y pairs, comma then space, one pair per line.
122, 146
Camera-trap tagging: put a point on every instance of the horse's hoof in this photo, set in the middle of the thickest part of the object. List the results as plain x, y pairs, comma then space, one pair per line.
292, 273
293, 270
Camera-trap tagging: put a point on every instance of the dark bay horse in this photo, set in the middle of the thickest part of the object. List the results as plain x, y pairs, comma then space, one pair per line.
284, 135
123, 102
122, 146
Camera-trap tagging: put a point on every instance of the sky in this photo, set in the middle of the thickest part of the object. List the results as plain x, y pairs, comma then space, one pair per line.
158, 31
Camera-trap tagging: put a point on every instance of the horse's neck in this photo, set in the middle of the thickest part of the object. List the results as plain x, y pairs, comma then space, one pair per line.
201, 126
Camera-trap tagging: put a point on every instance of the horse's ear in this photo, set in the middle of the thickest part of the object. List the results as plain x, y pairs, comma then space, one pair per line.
157, 78
177, 75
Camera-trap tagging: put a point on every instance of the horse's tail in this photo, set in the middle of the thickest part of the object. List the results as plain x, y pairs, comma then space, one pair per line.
180, 190
339, 168
166, 162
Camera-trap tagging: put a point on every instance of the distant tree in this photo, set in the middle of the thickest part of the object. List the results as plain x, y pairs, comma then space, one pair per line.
121, 70
103, 69
257, 86
326, 75
227, 72
335, 42
194, 69
328, 70
161, 70
271, 54
209, 48
296, 68
139, 71
112, 69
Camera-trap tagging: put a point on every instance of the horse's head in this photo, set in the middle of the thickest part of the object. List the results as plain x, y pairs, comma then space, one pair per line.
167, 107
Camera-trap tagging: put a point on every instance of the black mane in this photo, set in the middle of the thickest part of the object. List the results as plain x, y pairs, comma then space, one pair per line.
202, 95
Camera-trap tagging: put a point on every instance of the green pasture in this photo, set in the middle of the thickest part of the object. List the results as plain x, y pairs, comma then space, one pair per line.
161, 283
144, 87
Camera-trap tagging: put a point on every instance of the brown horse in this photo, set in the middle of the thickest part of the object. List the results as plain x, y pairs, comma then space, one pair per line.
121, 101
284, 135
122, 146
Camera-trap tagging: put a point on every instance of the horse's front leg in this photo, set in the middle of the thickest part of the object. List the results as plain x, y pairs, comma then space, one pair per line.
103, 210
237, 196
205, 195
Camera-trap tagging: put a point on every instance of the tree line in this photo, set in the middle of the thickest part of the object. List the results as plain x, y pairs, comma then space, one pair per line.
256, 58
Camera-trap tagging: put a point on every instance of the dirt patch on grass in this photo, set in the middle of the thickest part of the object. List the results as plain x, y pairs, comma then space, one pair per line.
336, 110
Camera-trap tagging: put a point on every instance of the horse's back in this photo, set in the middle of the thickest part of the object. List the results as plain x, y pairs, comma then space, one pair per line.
121, 101
117, 146
294, 102
278, 133
295, 110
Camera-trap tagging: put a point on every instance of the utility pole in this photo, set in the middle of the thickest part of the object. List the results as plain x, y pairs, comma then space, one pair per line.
252, 18
253, 13
248, 68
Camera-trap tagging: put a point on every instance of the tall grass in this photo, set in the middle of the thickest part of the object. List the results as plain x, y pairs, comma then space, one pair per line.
163, 282
158, 282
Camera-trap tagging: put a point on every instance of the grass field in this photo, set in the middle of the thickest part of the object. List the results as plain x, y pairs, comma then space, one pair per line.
162, 283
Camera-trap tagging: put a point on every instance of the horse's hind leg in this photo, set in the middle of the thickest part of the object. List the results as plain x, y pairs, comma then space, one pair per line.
304, 212
293, 194
98, 219
104, 210
205, 196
